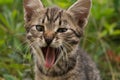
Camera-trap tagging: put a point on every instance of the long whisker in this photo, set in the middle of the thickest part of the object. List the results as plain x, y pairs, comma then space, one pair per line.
65, 52
38, 51
62, 51
18, 48
60, 55
68, 46
23, 43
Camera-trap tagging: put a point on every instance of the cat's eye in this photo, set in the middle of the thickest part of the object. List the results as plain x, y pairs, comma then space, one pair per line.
61, 30
40, 28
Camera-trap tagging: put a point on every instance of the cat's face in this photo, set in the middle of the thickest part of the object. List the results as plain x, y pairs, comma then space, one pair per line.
53, 27
53, 33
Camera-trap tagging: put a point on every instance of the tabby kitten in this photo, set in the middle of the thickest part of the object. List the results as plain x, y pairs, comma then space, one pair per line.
54, 35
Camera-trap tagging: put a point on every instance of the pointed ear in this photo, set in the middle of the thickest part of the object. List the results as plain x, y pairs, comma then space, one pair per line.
80, 11
31, 7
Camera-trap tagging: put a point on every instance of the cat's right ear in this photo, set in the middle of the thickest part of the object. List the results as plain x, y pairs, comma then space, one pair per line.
31, 7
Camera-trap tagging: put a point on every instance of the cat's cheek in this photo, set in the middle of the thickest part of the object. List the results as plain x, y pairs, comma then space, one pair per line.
56, 43
40, 42
29, 37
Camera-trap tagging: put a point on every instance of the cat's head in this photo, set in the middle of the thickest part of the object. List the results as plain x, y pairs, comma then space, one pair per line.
54, 33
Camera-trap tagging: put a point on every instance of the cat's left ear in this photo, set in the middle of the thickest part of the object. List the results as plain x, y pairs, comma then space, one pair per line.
80, 11
31, 7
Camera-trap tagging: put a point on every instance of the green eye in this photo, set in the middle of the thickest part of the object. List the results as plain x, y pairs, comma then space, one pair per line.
61, 30
40, 28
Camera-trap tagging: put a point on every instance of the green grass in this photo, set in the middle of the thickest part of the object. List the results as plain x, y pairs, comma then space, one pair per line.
101, 38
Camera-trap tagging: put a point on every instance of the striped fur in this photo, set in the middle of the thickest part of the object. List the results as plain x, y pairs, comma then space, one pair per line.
59, 29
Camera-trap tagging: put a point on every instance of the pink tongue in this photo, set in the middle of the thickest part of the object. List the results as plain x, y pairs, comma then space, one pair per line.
50, 57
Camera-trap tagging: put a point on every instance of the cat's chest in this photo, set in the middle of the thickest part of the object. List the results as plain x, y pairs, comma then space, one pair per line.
66, 77
71, 75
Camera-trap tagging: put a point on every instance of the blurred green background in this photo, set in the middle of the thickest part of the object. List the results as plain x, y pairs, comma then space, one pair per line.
101, 39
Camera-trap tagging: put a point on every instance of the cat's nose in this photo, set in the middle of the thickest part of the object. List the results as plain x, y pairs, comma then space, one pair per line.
48, 36
48, 40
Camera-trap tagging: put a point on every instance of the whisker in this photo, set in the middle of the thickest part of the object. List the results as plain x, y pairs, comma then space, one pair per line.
18, 48
60, 55
62, 52
38, 51
65, 54
65, 51
23, 43
68, 46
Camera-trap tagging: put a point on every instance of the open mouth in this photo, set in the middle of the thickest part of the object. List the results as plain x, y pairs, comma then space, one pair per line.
50, 55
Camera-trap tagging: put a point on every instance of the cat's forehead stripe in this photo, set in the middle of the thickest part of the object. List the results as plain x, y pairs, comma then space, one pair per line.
52, 15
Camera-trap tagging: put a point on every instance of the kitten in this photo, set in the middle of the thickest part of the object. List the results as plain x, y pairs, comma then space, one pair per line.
54, 35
